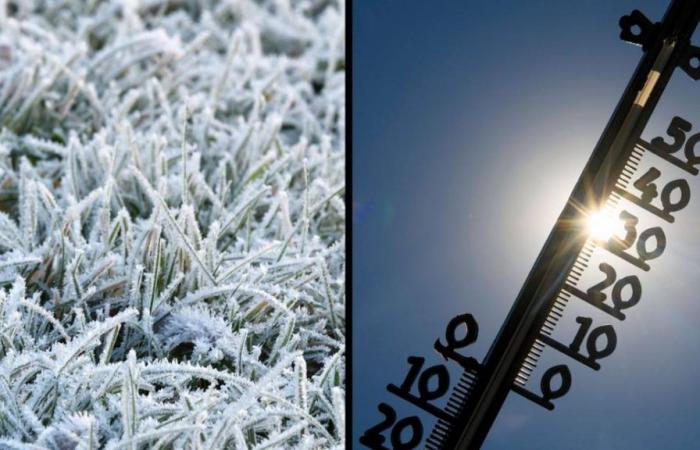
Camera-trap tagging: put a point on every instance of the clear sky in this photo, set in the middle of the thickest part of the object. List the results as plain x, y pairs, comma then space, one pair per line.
472, 122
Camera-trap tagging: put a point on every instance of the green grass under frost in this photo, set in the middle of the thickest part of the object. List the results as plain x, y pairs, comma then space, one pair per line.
172, 224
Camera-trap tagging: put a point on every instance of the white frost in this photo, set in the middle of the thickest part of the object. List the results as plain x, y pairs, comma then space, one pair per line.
172, 224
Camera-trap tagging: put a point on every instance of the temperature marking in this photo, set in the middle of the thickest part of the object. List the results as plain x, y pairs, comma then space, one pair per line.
611, 175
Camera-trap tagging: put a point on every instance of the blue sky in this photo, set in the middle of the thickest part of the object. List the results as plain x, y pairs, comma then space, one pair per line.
472, 122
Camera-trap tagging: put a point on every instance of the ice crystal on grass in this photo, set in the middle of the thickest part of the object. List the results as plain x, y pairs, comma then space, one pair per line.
172, 224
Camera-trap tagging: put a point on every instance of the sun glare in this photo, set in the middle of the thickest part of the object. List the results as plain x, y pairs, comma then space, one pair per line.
601, 226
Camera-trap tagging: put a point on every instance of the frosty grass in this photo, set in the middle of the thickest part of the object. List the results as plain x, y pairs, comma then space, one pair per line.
172, 224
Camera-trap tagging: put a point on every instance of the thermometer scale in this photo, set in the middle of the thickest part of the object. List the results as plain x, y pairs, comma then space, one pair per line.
627, 180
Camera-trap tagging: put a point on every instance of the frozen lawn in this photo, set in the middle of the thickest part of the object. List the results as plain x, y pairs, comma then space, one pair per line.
172, 238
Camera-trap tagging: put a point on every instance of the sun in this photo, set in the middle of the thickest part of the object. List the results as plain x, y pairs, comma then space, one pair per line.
601, 226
